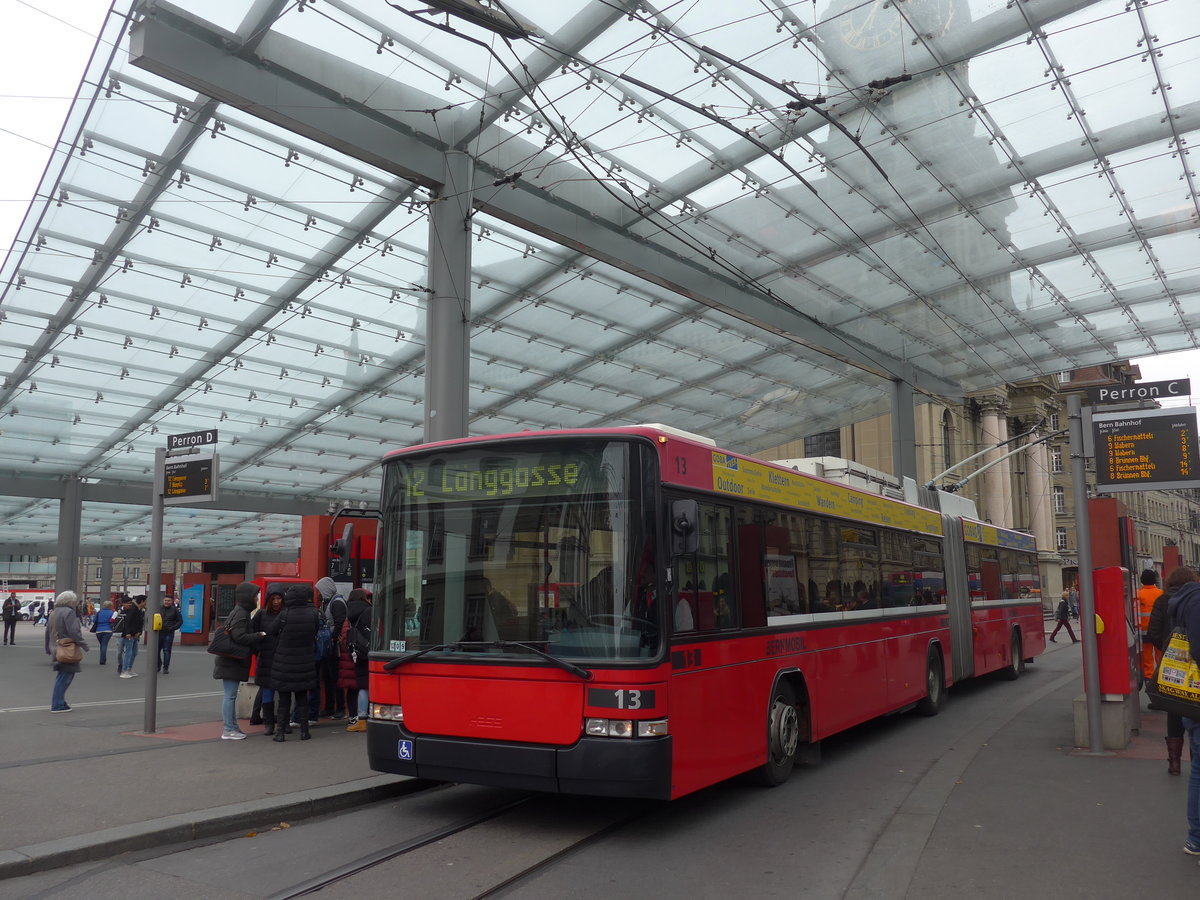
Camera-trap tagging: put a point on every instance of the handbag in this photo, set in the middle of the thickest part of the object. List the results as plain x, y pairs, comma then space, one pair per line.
1176, 683
67, 651
223, 644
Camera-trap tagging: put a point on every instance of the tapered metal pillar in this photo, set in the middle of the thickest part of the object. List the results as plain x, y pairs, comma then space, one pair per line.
70, 517
1087, 597
448, 339
904, 431
106, 576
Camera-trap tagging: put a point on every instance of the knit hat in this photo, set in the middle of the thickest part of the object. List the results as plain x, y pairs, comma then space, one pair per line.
246, 595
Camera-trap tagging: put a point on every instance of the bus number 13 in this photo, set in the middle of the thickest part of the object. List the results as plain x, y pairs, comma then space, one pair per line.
621, 698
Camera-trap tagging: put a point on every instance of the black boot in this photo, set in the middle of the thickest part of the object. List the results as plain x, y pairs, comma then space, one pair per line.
304, 735
268, 717
283, 710
1174, 755
256, 716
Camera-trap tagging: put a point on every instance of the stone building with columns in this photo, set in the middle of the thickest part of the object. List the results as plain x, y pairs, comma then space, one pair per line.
1030, 491
1014, 493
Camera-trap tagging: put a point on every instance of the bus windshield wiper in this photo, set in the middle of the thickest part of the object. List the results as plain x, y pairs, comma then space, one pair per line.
579, 671
585, 674
401, 660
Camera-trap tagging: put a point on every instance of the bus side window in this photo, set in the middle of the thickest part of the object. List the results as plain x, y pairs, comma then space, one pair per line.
702, 578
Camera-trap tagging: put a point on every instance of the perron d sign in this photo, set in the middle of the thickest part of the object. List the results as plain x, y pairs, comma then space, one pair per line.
192, 439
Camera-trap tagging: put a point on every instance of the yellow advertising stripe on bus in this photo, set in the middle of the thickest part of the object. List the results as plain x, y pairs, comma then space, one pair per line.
739, 477
982, 533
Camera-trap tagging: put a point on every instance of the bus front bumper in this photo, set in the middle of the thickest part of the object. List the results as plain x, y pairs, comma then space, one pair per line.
610, 767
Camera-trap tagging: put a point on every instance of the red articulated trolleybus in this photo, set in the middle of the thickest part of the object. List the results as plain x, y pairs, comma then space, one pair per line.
635, 612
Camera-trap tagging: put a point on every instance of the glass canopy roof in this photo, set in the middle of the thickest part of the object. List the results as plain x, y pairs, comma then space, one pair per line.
740, 219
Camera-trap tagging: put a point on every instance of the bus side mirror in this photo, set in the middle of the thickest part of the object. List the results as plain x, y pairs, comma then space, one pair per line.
684, 538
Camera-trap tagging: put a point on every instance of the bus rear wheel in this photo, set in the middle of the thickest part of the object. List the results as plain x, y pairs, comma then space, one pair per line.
783, 737
1016, 659
935, 686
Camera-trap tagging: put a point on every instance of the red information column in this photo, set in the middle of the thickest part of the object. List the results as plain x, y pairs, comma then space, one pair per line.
1117, 645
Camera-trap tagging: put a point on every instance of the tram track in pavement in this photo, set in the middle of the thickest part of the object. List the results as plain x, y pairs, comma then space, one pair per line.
574, 835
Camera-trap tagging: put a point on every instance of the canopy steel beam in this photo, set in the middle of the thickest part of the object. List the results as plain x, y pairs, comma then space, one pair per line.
140, 549
128, 492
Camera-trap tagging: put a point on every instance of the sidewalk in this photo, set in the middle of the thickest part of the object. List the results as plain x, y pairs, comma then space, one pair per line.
89, 783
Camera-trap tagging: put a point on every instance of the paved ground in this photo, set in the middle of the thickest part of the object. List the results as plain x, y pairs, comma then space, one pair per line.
87, 783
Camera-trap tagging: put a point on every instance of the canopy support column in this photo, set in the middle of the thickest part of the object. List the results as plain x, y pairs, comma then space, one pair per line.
448, 322
70, 519
904, 430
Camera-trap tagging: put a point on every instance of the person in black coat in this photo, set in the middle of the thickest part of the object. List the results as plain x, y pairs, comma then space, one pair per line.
263, 620
293, 669
233, 671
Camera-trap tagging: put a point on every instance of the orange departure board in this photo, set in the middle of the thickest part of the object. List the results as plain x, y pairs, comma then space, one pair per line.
1146, 449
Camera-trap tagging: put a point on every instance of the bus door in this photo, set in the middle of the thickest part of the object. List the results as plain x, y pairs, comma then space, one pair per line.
713, 727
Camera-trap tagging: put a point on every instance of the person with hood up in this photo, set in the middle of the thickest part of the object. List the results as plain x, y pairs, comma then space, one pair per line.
333, 609
64, 623
1183, 609
293, 672
230, 671
262, 621
352, 667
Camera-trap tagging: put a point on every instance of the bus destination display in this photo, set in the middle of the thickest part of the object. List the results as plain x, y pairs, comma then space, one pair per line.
469, 477
1146, 449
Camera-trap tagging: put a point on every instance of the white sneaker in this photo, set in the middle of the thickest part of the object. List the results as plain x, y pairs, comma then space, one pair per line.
233, 735
125, 675
131, 673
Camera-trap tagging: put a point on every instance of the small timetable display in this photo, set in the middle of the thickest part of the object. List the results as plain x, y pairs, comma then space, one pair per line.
1146, 449
190, 478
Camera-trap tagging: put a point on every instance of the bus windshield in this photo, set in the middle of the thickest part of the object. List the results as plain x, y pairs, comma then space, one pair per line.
549, 544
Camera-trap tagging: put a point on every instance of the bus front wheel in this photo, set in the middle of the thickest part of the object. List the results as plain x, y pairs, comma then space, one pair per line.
783, 737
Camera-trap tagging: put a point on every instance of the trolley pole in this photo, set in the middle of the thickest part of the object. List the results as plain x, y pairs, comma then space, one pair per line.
1087, 596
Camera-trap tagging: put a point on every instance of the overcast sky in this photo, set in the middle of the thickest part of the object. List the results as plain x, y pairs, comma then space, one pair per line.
44, 47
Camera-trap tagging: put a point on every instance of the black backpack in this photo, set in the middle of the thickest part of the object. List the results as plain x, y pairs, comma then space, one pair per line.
358, 636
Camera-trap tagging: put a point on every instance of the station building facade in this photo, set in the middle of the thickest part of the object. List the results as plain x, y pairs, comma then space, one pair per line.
1030, 491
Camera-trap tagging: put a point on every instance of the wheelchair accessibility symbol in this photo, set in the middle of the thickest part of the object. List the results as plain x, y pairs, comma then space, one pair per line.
404, 750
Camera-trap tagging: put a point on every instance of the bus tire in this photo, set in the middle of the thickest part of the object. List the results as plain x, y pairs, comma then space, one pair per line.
783, 737
1016, 659
935, 685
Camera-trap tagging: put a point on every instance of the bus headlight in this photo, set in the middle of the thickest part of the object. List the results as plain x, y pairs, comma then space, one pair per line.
653, 728
387, 713
625, 728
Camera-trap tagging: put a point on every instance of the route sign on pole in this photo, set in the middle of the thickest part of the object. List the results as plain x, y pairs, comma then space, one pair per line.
1146, 449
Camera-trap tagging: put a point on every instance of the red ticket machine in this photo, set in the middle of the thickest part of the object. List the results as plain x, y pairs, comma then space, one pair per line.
1117, 644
